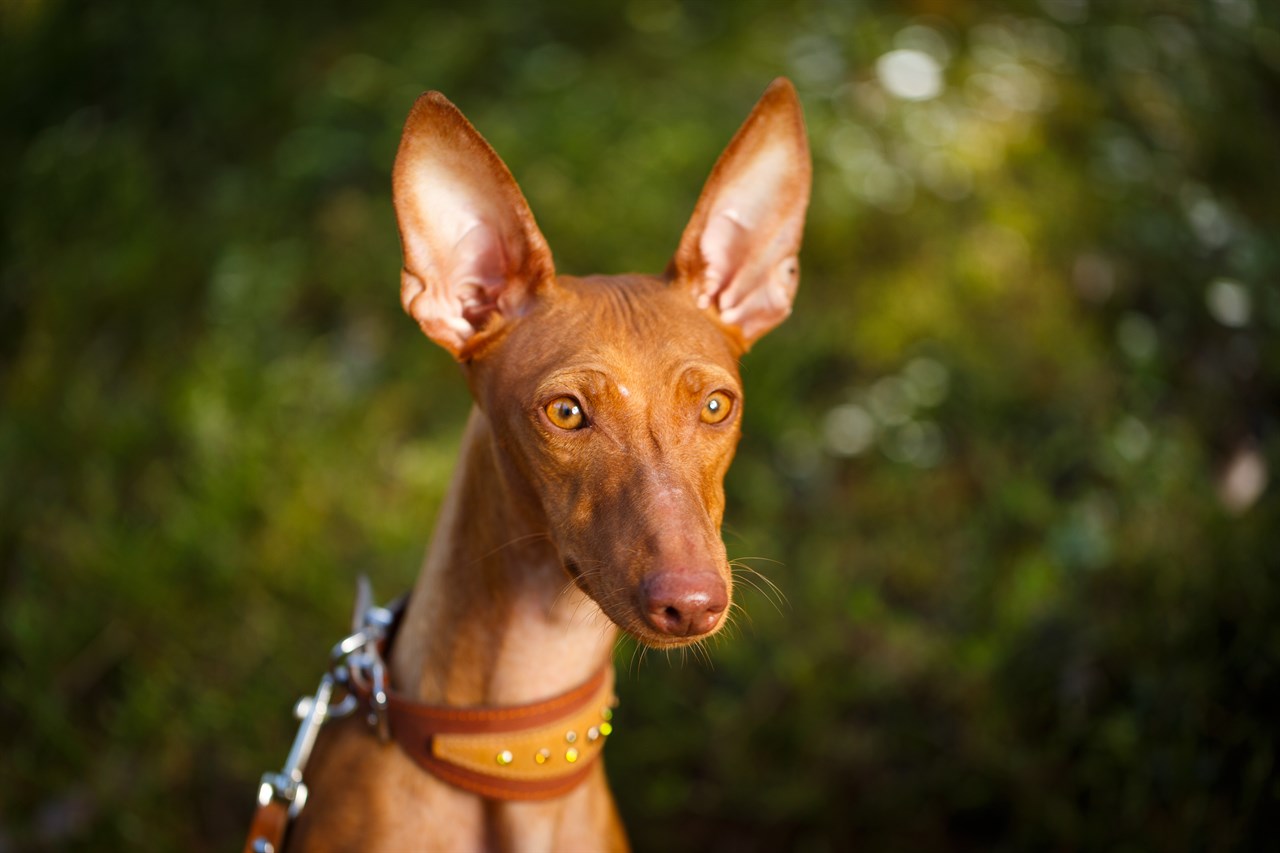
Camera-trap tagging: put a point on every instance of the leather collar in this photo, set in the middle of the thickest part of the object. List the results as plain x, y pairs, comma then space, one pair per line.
534, 751
511, 752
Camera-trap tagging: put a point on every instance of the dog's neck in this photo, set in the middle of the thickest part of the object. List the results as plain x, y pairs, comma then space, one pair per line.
494, 619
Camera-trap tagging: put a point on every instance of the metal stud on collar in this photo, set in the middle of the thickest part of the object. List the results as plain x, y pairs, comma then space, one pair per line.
571, 754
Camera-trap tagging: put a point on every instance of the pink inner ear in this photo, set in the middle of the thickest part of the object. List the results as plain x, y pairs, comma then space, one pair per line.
738, 253
478, 269
758, 310
471, 247
723, 246
751, 229
751, 236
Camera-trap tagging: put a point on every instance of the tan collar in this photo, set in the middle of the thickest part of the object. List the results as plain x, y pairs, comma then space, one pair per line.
510, 752
514, 752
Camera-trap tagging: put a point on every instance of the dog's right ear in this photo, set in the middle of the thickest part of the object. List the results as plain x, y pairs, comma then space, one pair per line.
473, 255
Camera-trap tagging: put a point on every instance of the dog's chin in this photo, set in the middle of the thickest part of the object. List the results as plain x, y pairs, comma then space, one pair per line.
654, 640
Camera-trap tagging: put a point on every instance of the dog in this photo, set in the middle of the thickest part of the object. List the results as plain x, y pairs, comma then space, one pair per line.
588, 496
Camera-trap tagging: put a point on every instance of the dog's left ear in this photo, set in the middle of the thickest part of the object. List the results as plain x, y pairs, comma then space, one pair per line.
739, 252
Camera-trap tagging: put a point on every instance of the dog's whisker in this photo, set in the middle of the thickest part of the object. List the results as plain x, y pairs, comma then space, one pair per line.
749, 575
518, 540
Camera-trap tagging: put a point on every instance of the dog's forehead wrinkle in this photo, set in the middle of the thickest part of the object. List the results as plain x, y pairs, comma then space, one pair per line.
654, 330
636, 306
619, 376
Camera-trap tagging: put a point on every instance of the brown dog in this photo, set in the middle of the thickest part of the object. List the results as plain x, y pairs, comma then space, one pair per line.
588, 493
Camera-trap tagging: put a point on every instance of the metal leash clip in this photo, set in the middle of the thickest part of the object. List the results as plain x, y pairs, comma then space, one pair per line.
357, 660
286, 786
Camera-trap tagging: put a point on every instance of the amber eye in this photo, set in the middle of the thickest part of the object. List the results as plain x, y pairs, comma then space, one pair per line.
717, 407
565, 413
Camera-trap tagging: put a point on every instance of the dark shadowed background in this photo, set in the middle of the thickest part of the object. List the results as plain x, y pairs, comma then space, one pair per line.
1008, 464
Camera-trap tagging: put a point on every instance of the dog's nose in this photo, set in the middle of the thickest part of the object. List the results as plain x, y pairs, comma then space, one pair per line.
683, 604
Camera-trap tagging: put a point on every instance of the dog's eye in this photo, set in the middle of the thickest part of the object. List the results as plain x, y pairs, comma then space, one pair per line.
566, 413
717, 407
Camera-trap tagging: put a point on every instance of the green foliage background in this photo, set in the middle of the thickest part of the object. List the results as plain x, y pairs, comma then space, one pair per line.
1009, 454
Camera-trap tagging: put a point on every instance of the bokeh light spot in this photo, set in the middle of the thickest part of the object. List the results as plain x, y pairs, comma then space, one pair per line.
848, 430
1229, 303
912, 75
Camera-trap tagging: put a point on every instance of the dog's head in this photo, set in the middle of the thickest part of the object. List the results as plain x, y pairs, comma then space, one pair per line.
615, 401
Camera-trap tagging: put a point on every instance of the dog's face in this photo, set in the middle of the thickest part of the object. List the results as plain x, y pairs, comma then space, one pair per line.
614, 401
619, 403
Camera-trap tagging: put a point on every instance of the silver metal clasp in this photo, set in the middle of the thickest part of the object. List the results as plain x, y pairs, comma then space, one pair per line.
357, 659
287, 784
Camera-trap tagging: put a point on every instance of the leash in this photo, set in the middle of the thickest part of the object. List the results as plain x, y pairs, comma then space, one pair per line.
516, 752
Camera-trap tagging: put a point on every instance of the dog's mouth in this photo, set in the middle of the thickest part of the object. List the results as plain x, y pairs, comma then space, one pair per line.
626, 610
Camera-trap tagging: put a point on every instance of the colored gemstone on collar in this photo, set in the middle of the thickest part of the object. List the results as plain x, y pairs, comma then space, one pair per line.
504, 758
571, 755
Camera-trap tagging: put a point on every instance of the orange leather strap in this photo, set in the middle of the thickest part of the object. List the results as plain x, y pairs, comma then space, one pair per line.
266, 833
511, 752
